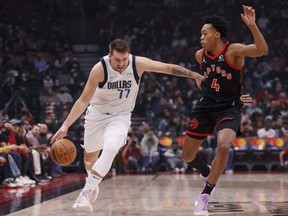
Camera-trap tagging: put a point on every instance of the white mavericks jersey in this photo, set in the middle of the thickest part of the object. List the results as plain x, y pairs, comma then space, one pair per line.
118, 92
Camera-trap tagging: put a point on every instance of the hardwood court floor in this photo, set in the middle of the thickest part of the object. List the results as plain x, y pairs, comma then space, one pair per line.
165, 194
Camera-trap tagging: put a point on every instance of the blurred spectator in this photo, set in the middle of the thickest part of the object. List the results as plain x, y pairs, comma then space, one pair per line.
174, 160
247, 128
267, 131
280, 91
150, 145
10, 174
49, 100
39, 154
263, 22
52, 121
24, 151
133, 156
47, 81
18, 160
64, 96
164, 124
283, 131
207, 148
9, 171
120, 162
40, 63
277, 125
229, 167
3, 174
58, 62
2, 160
283, 159
253, 110
43, 138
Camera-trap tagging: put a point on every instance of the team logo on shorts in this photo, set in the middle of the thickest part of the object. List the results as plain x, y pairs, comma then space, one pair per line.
194, 123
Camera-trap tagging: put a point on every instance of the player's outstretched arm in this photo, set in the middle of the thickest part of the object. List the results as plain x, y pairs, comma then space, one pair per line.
96, 75
260, 47
145, 64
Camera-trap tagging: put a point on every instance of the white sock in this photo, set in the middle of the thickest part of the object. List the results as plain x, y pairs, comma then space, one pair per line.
92, 182
88, 173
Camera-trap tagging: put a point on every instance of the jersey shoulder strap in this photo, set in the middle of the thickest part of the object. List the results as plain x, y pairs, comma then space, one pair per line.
101, 84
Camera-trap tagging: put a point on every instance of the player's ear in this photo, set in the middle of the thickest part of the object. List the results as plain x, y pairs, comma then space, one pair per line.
110, 53
217, 34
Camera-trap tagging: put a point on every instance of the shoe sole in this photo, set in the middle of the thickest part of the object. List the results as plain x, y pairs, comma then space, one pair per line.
86, 208
201, 213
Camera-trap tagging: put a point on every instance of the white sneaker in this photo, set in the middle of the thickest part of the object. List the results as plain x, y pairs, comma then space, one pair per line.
29, 180
25, 181
19, 182
229, 172
9, 183
85, 198
202, 205
177, 170
182, 170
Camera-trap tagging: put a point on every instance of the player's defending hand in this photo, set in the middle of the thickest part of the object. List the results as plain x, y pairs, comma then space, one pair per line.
249, 15
246, 100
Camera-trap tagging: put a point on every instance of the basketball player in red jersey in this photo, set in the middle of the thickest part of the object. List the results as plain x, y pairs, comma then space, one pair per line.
219, 109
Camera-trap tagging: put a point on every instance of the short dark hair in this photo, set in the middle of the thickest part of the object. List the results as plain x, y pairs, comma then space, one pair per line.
119, 45
220, 24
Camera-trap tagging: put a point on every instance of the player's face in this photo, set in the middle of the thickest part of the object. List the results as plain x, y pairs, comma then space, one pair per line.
209, 37
119, 61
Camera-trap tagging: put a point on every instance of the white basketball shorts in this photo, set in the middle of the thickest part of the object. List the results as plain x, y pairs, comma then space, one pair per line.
98, 126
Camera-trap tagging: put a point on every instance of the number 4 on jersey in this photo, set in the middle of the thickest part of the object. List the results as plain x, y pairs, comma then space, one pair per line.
215, 85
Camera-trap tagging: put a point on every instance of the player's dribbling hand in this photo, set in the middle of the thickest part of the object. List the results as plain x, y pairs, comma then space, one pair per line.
249, 15
59, 134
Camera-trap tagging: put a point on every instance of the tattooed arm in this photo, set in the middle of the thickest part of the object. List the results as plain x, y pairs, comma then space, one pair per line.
145, 64
183, 72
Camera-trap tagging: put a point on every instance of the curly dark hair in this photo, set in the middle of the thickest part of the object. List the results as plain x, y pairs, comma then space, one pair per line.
220, 24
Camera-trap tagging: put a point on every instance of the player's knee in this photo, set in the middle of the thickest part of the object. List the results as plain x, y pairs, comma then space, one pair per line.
112, 148
114, 143
223, 148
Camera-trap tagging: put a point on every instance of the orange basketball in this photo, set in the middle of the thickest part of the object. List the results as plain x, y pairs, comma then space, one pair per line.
63, 152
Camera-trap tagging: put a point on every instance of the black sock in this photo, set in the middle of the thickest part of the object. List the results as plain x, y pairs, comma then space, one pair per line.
200, 165
208, 189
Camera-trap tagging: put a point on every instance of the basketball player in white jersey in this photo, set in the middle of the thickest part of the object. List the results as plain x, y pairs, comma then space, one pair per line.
110, 94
